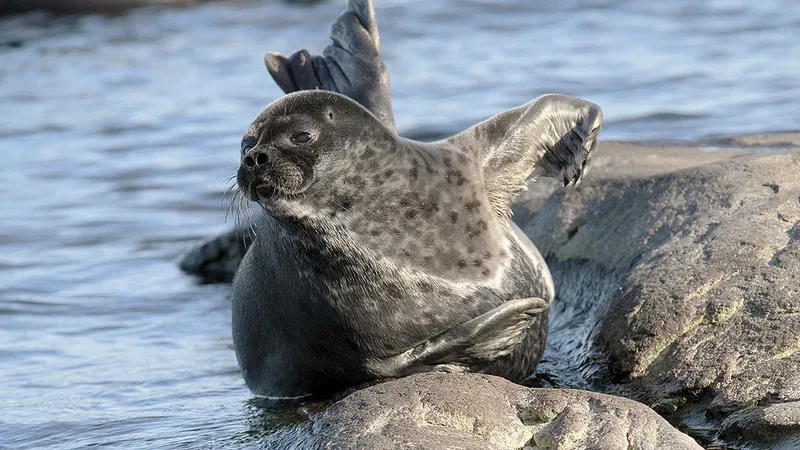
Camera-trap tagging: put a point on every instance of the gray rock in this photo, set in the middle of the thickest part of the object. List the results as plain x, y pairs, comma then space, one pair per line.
690, 261
467, 411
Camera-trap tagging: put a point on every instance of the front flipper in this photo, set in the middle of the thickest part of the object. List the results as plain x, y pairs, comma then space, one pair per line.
351, 65
474, 343
553, 136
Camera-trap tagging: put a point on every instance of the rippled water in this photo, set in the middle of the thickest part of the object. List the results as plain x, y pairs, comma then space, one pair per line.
118, 133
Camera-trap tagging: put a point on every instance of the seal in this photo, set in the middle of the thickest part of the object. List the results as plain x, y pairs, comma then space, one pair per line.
379, 256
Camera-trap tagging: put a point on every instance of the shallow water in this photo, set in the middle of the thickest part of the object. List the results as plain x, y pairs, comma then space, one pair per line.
118, 135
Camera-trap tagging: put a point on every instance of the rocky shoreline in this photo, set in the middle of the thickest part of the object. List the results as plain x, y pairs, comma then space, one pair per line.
692, 262
677, 272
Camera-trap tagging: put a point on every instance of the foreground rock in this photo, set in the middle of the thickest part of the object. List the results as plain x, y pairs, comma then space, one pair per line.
693, 274
457, 411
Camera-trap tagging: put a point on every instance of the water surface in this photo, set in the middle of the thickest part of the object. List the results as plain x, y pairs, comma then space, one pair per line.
118, 134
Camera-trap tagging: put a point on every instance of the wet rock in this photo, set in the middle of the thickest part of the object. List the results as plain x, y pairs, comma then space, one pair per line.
467, 411
691, 261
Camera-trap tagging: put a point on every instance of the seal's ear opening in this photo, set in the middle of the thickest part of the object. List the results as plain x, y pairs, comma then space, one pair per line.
554, 135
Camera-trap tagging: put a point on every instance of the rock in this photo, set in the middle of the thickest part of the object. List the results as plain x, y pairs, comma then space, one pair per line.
686, 265
468, 411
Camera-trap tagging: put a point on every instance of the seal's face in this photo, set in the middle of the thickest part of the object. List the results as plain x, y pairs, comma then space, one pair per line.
278, 157
300, 148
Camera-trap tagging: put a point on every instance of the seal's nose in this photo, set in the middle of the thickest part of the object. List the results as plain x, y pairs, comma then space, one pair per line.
254, 158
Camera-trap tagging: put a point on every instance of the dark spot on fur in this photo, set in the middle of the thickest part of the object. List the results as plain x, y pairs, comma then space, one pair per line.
405, 202
429, 208
455, 176
413, 173
426, 288
388, 173
477, 229
368, 153
376, 180
485, 272
477, 262
375, 232
487, 255
462, 264
453, 217
332, 214
340, 201
356, 181
410, 214
446, 161
393, 291
472, 205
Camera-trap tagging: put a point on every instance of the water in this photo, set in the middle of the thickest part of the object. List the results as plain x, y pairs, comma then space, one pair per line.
118, 134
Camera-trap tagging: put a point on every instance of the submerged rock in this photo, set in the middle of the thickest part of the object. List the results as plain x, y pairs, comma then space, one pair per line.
468, 411
694, 276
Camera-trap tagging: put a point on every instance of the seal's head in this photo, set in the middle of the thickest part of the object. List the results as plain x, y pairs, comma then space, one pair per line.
296, 141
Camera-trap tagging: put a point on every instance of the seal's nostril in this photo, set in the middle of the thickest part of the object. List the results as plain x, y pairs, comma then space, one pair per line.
249, 161
261, 159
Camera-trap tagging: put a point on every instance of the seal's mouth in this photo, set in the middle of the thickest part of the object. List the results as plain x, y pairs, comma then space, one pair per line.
269, 185
263, 191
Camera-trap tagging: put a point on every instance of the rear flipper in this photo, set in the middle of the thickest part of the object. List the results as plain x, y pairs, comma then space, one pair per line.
216, 260
468, 346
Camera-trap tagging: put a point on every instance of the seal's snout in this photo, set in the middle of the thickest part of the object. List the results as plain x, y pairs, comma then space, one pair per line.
254, 159
266, 172
252, 172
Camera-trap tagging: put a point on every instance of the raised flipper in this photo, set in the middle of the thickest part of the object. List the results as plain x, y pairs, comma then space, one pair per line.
351, 65
468, 346
552, 136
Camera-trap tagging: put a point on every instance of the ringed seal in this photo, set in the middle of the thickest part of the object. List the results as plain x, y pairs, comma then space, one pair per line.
379, 256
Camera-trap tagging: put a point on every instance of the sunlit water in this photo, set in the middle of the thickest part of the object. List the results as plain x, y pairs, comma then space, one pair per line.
117, 135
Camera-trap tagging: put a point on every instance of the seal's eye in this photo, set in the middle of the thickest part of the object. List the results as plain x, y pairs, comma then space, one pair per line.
301, 138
